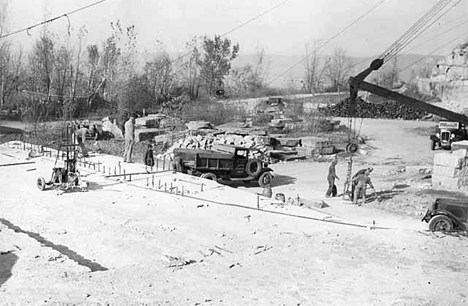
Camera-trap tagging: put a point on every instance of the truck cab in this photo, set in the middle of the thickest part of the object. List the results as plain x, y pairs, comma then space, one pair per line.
448, 132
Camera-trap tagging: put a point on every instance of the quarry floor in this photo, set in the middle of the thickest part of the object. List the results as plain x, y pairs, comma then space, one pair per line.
131, 243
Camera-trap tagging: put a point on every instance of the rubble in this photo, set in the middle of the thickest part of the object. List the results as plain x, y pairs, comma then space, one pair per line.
112, 127
261, 147
385, 110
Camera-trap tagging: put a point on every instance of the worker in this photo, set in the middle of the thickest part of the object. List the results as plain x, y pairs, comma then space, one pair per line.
354, 179
80, 135
361, 182
129, 138
331, 191
149, 157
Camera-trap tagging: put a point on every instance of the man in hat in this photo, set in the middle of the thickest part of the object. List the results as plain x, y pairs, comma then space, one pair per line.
361, 181
331, 191
129, 138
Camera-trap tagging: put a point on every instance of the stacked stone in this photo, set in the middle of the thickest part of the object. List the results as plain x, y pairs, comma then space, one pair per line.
451, 170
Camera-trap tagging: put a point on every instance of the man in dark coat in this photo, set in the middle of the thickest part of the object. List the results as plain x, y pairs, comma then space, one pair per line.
331, 191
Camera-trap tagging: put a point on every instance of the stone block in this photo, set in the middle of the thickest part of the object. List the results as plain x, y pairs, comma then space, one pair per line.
449, 160
149, 122
449, 171
143, 134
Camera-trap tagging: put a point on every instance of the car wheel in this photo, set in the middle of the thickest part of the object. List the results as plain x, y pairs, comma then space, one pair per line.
265, 179
440, 223
41, 184
209, 176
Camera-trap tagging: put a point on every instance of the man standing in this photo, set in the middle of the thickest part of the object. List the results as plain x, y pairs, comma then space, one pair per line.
129, 138
361, 182
80, 135
331, 179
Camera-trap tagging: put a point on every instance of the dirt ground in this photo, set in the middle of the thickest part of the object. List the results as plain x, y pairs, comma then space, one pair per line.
125, 244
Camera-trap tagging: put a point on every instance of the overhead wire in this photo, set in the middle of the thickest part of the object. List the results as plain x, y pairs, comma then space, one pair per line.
238, 26
421, 28
431, 53
415, 27
329, 40
420, 44
66, 15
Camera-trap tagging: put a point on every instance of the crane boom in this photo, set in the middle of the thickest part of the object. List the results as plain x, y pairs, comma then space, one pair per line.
358, 82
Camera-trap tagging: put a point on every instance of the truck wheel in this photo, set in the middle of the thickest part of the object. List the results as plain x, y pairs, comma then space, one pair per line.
41, 184
433, 145
253, 167
209, 176
440, 223
265, 179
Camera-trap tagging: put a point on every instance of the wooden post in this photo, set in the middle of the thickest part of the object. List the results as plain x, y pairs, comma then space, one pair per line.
202, 187
120, 169
171, 188
99, 167
157, 168
258, 201
159, 184
164, 163
152, 181
165, 186
129, 177
147, 181
125, 177
115, 170
182, 190
104, 169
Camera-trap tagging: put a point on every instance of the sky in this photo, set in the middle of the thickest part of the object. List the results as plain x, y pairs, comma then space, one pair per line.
286, 30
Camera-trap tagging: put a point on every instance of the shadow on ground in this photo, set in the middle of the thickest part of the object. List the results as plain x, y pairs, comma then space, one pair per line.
278, 180
7, 261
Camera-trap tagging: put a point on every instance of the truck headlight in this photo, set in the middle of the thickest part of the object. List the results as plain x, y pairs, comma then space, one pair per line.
452, 136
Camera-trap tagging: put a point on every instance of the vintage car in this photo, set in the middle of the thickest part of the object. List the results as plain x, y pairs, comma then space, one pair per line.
448, 132
233, 164
447, 215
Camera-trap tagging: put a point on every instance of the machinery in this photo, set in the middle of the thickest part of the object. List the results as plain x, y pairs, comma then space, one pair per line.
66, 177
232, 164
448, 132
357, 83
447, 215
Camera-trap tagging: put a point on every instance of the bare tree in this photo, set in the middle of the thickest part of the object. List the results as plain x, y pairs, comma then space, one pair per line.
161, 76
314, 69
337, 70
191, 70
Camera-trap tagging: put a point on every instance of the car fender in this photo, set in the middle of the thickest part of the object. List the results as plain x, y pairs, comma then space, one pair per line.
434, 138
455, 220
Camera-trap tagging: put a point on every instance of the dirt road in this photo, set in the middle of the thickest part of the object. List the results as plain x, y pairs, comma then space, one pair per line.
121, 245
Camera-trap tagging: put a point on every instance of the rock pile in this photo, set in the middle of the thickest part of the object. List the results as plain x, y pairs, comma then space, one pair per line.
386, 110
261, 147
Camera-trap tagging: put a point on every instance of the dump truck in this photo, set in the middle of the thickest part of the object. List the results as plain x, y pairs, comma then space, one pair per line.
230, 164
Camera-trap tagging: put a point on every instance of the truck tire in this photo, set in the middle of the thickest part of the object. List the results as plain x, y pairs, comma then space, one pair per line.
433, 145
253, 167
41, 184
209, 176
440, 223
265, 179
